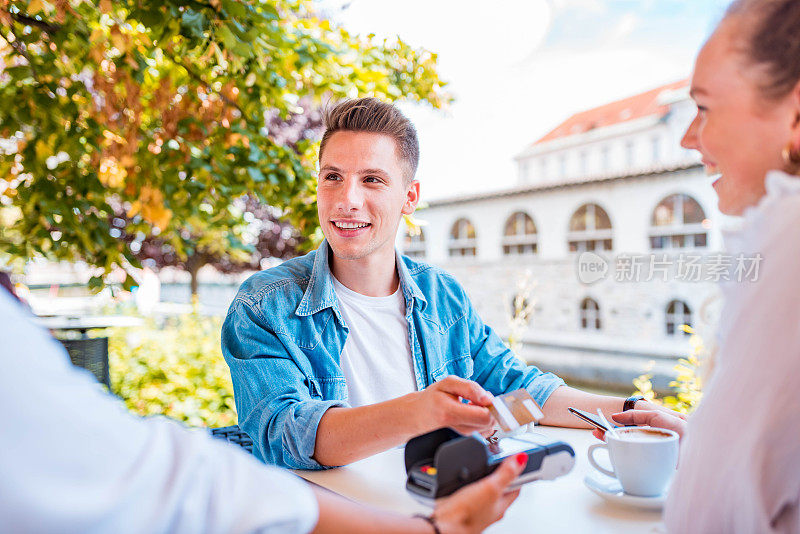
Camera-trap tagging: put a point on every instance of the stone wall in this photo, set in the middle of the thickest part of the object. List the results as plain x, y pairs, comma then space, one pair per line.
633, 318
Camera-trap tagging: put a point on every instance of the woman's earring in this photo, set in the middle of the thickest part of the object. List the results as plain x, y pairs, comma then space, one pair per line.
791, 157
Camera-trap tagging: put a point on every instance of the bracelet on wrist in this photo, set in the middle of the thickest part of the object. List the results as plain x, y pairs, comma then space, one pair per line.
431, 521
630, 402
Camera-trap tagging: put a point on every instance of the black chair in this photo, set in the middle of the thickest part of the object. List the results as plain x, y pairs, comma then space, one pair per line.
91, 354
234, 434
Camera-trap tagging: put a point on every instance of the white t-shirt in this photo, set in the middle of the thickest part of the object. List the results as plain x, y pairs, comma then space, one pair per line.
739, 468
73, 459
376, 359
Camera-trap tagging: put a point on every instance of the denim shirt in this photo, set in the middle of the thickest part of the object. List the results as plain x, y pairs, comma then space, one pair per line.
284, 334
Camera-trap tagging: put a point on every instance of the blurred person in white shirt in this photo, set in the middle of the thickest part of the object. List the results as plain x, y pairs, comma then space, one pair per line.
148, 294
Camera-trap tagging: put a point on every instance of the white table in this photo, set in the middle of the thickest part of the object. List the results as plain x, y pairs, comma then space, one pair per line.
563, 505
84, 323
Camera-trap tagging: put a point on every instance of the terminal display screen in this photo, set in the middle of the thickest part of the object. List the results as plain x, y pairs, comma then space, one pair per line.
506, 447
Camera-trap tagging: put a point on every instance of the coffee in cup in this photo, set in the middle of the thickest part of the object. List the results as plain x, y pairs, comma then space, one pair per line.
643, 459
643, 434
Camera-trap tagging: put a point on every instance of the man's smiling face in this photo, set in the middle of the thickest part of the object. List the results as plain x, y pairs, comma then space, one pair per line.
362, 193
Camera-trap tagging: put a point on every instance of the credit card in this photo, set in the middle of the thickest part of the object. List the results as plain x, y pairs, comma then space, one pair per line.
512, 410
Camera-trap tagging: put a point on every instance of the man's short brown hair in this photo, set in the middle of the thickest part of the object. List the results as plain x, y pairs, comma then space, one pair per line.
372, 115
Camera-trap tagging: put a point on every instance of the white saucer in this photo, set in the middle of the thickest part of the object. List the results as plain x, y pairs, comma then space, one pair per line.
610, 489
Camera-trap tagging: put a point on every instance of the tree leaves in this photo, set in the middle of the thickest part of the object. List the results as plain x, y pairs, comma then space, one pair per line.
194, 23
156, 121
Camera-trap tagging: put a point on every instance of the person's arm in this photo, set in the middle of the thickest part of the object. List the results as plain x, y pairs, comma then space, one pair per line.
75, 460
499, 370
556, 412
273, 399
469, 510
291, 428
345, 435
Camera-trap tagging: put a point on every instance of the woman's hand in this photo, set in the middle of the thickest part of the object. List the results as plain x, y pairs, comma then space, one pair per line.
475, 507
654, 418
652, 406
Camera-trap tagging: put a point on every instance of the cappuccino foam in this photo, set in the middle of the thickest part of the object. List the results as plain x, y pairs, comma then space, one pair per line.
643, 434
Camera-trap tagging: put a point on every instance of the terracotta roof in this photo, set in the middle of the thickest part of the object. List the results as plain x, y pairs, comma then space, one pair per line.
628, 109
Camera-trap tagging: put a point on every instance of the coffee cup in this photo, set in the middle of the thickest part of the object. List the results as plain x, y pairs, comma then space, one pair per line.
643, 458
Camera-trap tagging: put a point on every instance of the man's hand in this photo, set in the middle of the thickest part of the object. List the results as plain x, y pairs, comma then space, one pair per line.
346, 435
439, 405
654, 418
475, 507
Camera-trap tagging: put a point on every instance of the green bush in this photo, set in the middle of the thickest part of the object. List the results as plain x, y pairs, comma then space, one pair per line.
175, 369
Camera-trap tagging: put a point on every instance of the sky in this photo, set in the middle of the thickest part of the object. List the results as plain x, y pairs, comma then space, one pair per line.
518, 68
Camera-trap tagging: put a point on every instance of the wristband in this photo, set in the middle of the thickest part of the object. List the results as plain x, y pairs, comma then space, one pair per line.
630, 402
431, 521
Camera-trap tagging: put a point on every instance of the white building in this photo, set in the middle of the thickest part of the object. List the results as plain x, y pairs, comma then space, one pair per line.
613, 180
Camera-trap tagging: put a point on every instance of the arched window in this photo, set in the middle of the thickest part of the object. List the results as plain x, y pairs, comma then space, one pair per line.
414, 243
589, 229
590, 314
678, 314
519, 236
462, 239
678, 222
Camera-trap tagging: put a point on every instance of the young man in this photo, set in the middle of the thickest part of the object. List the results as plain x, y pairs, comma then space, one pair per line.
354, 349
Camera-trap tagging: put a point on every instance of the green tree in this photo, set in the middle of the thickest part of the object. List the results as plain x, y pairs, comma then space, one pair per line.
154, 118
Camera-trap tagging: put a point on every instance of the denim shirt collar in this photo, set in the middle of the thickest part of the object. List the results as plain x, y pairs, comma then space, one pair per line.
411, 290
320, 294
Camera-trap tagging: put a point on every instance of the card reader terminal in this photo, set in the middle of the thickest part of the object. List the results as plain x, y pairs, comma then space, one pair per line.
440, 462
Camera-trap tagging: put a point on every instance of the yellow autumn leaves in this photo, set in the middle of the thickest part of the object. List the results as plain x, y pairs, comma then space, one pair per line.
150, 206
58, 9
111, 173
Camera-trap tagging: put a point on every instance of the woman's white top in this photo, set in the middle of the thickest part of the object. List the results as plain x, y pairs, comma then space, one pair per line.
739, 468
